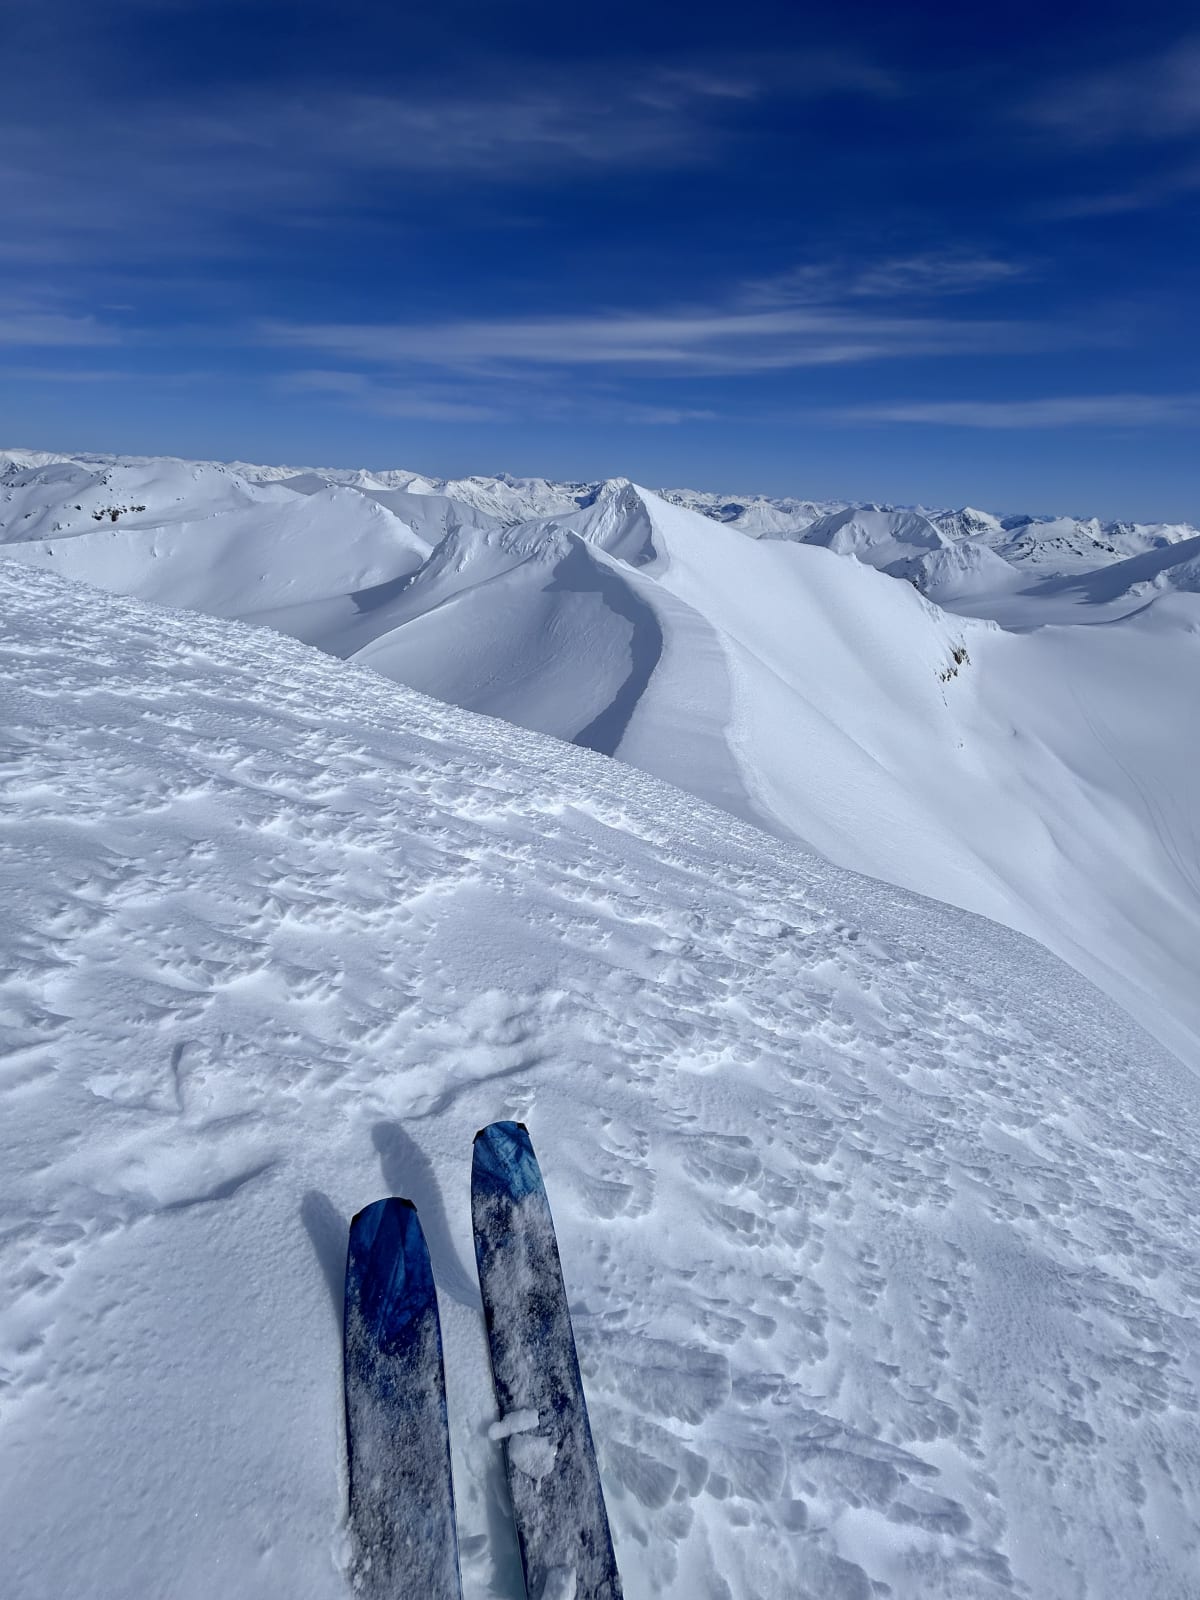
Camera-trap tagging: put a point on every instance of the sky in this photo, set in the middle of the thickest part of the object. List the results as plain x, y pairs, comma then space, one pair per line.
935, 254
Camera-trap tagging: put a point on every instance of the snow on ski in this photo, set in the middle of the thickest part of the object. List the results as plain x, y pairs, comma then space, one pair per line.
558, 1502
397, 1438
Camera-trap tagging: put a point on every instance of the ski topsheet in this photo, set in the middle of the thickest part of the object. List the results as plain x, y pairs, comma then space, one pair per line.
397, 1438
558, 1503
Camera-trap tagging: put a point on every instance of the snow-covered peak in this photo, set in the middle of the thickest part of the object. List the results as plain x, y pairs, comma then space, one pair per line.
876, 537
968, 523
65, 499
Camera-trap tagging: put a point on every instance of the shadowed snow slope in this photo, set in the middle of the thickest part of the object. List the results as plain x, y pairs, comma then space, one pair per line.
877, 1221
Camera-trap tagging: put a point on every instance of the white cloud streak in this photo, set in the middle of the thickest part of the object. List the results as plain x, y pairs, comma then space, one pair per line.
1156, 97
384, 400
713, 342
48, 329
1067, 411
928, 275
1156, 190
89, 180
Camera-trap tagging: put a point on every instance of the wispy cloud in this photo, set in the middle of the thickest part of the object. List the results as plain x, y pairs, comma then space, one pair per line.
1155, 97
1068, 411
705, 341
423, 404
928, 275
46, 329
71, 375
186, 173
1154, 189
664, 416
180, 178
427, 402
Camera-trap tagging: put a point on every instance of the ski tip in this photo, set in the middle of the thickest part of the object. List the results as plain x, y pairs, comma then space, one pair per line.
388, 1200
493, 1127
504, 1161
389, 1276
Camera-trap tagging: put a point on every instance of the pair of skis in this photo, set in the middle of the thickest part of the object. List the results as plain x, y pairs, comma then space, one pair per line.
401, 1491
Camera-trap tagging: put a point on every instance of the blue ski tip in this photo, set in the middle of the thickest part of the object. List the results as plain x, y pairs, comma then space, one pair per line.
504, 1155
388, 1273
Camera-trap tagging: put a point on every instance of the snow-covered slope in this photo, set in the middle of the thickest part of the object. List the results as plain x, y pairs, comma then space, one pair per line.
1045, 780
504, 499
758, 515
1058, 545
1173, 566
907, 544
876, 536
877, 1222
199, 535
1036, 775
1038, 546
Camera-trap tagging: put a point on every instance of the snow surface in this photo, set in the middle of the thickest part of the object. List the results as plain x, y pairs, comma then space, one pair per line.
1042, 772
877, 1221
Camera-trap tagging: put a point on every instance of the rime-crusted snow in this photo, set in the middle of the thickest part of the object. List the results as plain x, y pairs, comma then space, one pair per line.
878, 1222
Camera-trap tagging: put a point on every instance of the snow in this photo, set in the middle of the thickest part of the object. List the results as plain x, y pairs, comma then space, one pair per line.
1041, 772
520, 1421
877, 1220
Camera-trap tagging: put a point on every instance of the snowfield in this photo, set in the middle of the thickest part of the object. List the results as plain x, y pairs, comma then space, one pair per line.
877, 1220
929, 698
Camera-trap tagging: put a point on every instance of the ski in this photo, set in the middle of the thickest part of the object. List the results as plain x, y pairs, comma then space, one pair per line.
397, 1437
557, 1499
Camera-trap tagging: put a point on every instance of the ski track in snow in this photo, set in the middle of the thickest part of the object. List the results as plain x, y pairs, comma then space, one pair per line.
877, 1222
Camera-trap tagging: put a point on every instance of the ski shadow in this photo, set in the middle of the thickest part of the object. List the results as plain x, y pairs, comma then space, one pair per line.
408, 1172
329, 1234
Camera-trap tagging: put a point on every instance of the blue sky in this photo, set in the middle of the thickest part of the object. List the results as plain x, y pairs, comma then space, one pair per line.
936, 253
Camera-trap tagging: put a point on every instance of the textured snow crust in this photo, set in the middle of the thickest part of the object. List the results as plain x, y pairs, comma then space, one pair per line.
877, 1222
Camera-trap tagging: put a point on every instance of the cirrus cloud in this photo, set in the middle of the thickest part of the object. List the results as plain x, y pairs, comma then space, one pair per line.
1062, 411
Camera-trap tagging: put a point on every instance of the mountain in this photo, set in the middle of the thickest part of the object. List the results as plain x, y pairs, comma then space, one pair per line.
908, 544
877, 1221
758, 515
1038, 773
202, 536
1068, 544
969, 523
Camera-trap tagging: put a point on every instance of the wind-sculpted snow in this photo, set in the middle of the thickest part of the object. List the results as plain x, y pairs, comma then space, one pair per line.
877, 1222
1043, 775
